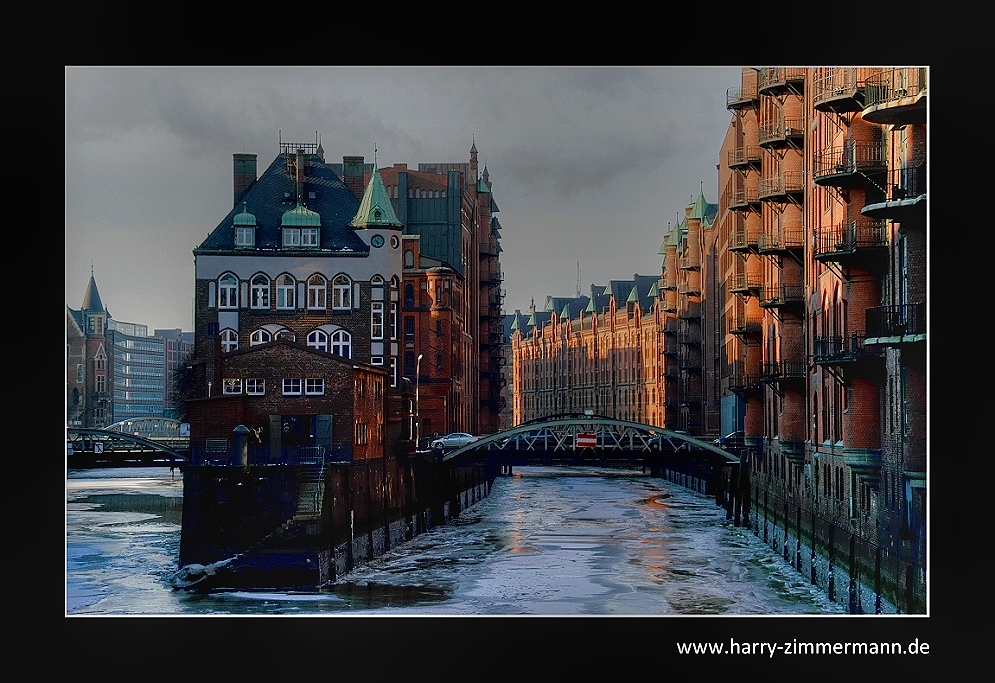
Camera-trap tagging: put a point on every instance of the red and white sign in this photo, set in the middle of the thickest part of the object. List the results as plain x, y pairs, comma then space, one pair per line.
587, 440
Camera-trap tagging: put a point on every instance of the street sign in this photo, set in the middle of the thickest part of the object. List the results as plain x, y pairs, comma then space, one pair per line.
587, 440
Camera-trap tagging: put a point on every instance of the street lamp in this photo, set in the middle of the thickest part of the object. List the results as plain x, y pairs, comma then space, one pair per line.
417, 411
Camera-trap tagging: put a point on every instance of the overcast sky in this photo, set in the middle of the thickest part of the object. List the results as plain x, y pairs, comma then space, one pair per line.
589, 165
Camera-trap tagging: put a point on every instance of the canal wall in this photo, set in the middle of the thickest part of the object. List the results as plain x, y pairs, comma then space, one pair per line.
854, 572
288, 526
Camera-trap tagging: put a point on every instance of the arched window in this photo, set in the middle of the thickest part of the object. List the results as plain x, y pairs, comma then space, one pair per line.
409, 295
285, 286
341, 343
316, 287
260, 336
341, 293
229, 340
260, 292
228, 291
409, 258
318, 340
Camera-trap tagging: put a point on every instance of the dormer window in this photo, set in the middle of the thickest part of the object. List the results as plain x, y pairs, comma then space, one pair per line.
291, 237
245, 236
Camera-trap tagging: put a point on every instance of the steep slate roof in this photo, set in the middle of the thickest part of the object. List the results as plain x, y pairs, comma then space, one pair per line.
91, 299
334, 203
567, 307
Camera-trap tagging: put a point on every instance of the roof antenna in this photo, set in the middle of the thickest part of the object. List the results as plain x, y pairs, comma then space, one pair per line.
578, 278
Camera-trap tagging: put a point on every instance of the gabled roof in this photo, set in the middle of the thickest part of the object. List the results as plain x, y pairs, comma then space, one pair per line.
266, 347
275, 193
375, 209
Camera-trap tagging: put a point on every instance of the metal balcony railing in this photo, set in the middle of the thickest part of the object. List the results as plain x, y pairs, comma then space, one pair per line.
837, 89
853, 157
893, 84
781, 129
744, 156
837, 350
745, 324
689, 262
783, 240
895, 320
847, 238
744, 198
774, 371
782, 295
789, 182
742, 239
744, 283
778, 78
737, 98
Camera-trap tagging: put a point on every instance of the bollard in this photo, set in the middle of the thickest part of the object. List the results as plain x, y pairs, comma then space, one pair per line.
240, 446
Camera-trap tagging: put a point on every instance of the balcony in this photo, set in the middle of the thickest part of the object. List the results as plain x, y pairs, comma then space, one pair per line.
744, 157
745, 283
742, 98
741, 383
841, 350
690, 286
783, 296
896, 97
781, 187
780, 80
779, 133
772, 372
743, 239
837, 90
847, 243
781, 242
905, 202
895, 325
744, 199
853, 164
689, 262
742, 324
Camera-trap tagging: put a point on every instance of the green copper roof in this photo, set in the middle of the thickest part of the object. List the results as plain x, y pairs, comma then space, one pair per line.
633, 294
300, 216
565, 313
244, 218
704, 211
375, 209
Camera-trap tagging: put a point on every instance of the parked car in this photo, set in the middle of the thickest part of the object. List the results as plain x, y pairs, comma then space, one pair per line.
454, 440
732, 440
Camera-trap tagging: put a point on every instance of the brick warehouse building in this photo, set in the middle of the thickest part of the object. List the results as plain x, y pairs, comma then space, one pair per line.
452, 297
819, 290
794, 310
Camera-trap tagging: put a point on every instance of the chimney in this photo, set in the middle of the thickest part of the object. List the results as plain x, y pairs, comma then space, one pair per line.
243, 174
353, 175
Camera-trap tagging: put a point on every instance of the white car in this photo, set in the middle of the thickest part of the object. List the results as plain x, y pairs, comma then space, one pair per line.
454, 440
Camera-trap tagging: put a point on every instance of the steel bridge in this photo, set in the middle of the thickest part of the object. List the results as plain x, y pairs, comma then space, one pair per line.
566, 436
112, 447
600, 441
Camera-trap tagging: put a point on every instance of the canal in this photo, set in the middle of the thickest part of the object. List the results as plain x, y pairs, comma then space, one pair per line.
547, 541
